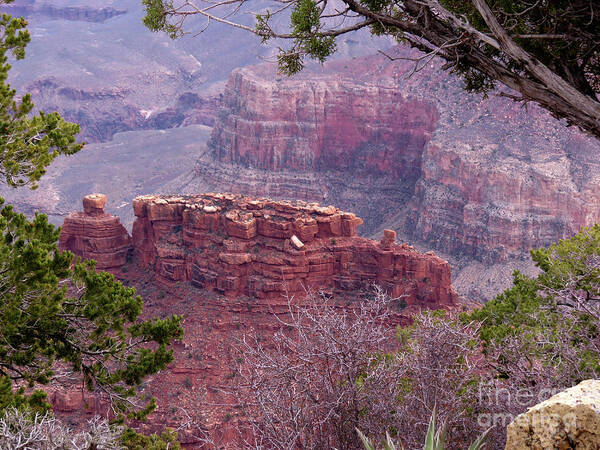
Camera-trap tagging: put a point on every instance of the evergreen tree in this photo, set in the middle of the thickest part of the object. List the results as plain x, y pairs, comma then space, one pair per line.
554, 317
28, 144
58, 313
546, 51
54, 311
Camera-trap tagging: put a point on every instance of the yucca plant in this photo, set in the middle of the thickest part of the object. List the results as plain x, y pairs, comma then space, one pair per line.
436, 437
434, 440
387, 445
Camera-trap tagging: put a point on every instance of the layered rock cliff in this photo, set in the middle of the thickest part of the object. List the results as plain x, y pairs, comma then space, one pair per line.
261, 248
228, 264
483, 179
322, 124
319, 138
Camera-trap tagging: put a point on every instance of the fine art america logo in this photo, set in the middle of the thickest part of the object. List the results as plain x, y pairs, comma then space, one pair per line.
499, 398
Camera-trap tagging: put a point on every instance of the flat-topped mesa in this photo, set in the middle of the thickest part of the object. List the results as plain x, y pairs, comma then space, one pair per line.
241, 246
94, 234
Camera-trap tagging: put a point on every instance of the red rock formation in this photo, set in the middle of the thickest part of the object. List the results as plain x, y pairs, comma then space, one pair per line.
93, 234
322, 123
495, 211
477, 179
319, 137
264, 249
254, 252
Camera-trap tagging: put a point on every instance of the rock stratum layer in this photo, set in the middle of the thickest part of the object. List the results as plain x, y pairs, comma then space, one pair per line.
481, 179
226, 263
239, 246
93, 234
322, 124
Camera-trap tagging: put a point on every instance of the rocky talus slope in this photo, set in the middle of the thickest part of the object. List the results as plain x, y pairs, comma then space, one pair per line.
228, 264
479, 179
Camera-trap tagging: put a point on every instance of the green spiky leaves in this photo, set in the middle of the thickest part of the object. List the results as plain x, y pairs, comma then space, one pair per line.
309, 39
53, 312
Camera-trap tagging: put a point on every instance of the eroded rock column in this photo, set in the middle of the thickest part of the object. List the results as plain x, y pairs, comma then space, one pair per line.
94, 234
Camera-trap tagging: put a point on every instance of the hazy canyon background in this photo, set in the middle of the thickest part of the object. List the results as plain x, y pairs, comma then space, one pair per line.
479, 181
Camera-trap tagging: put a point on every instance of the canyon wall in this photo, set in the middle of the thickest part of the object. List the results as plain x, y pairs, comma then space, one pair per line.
226, 263
494, 209
322, 124
484, 179
480, 181
262, 248
320, 138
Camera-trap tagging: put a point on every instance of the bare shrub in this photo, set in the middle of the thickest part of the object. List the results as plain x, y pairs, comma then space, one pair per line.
329, 370
19, 430
439, 367
321, 375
